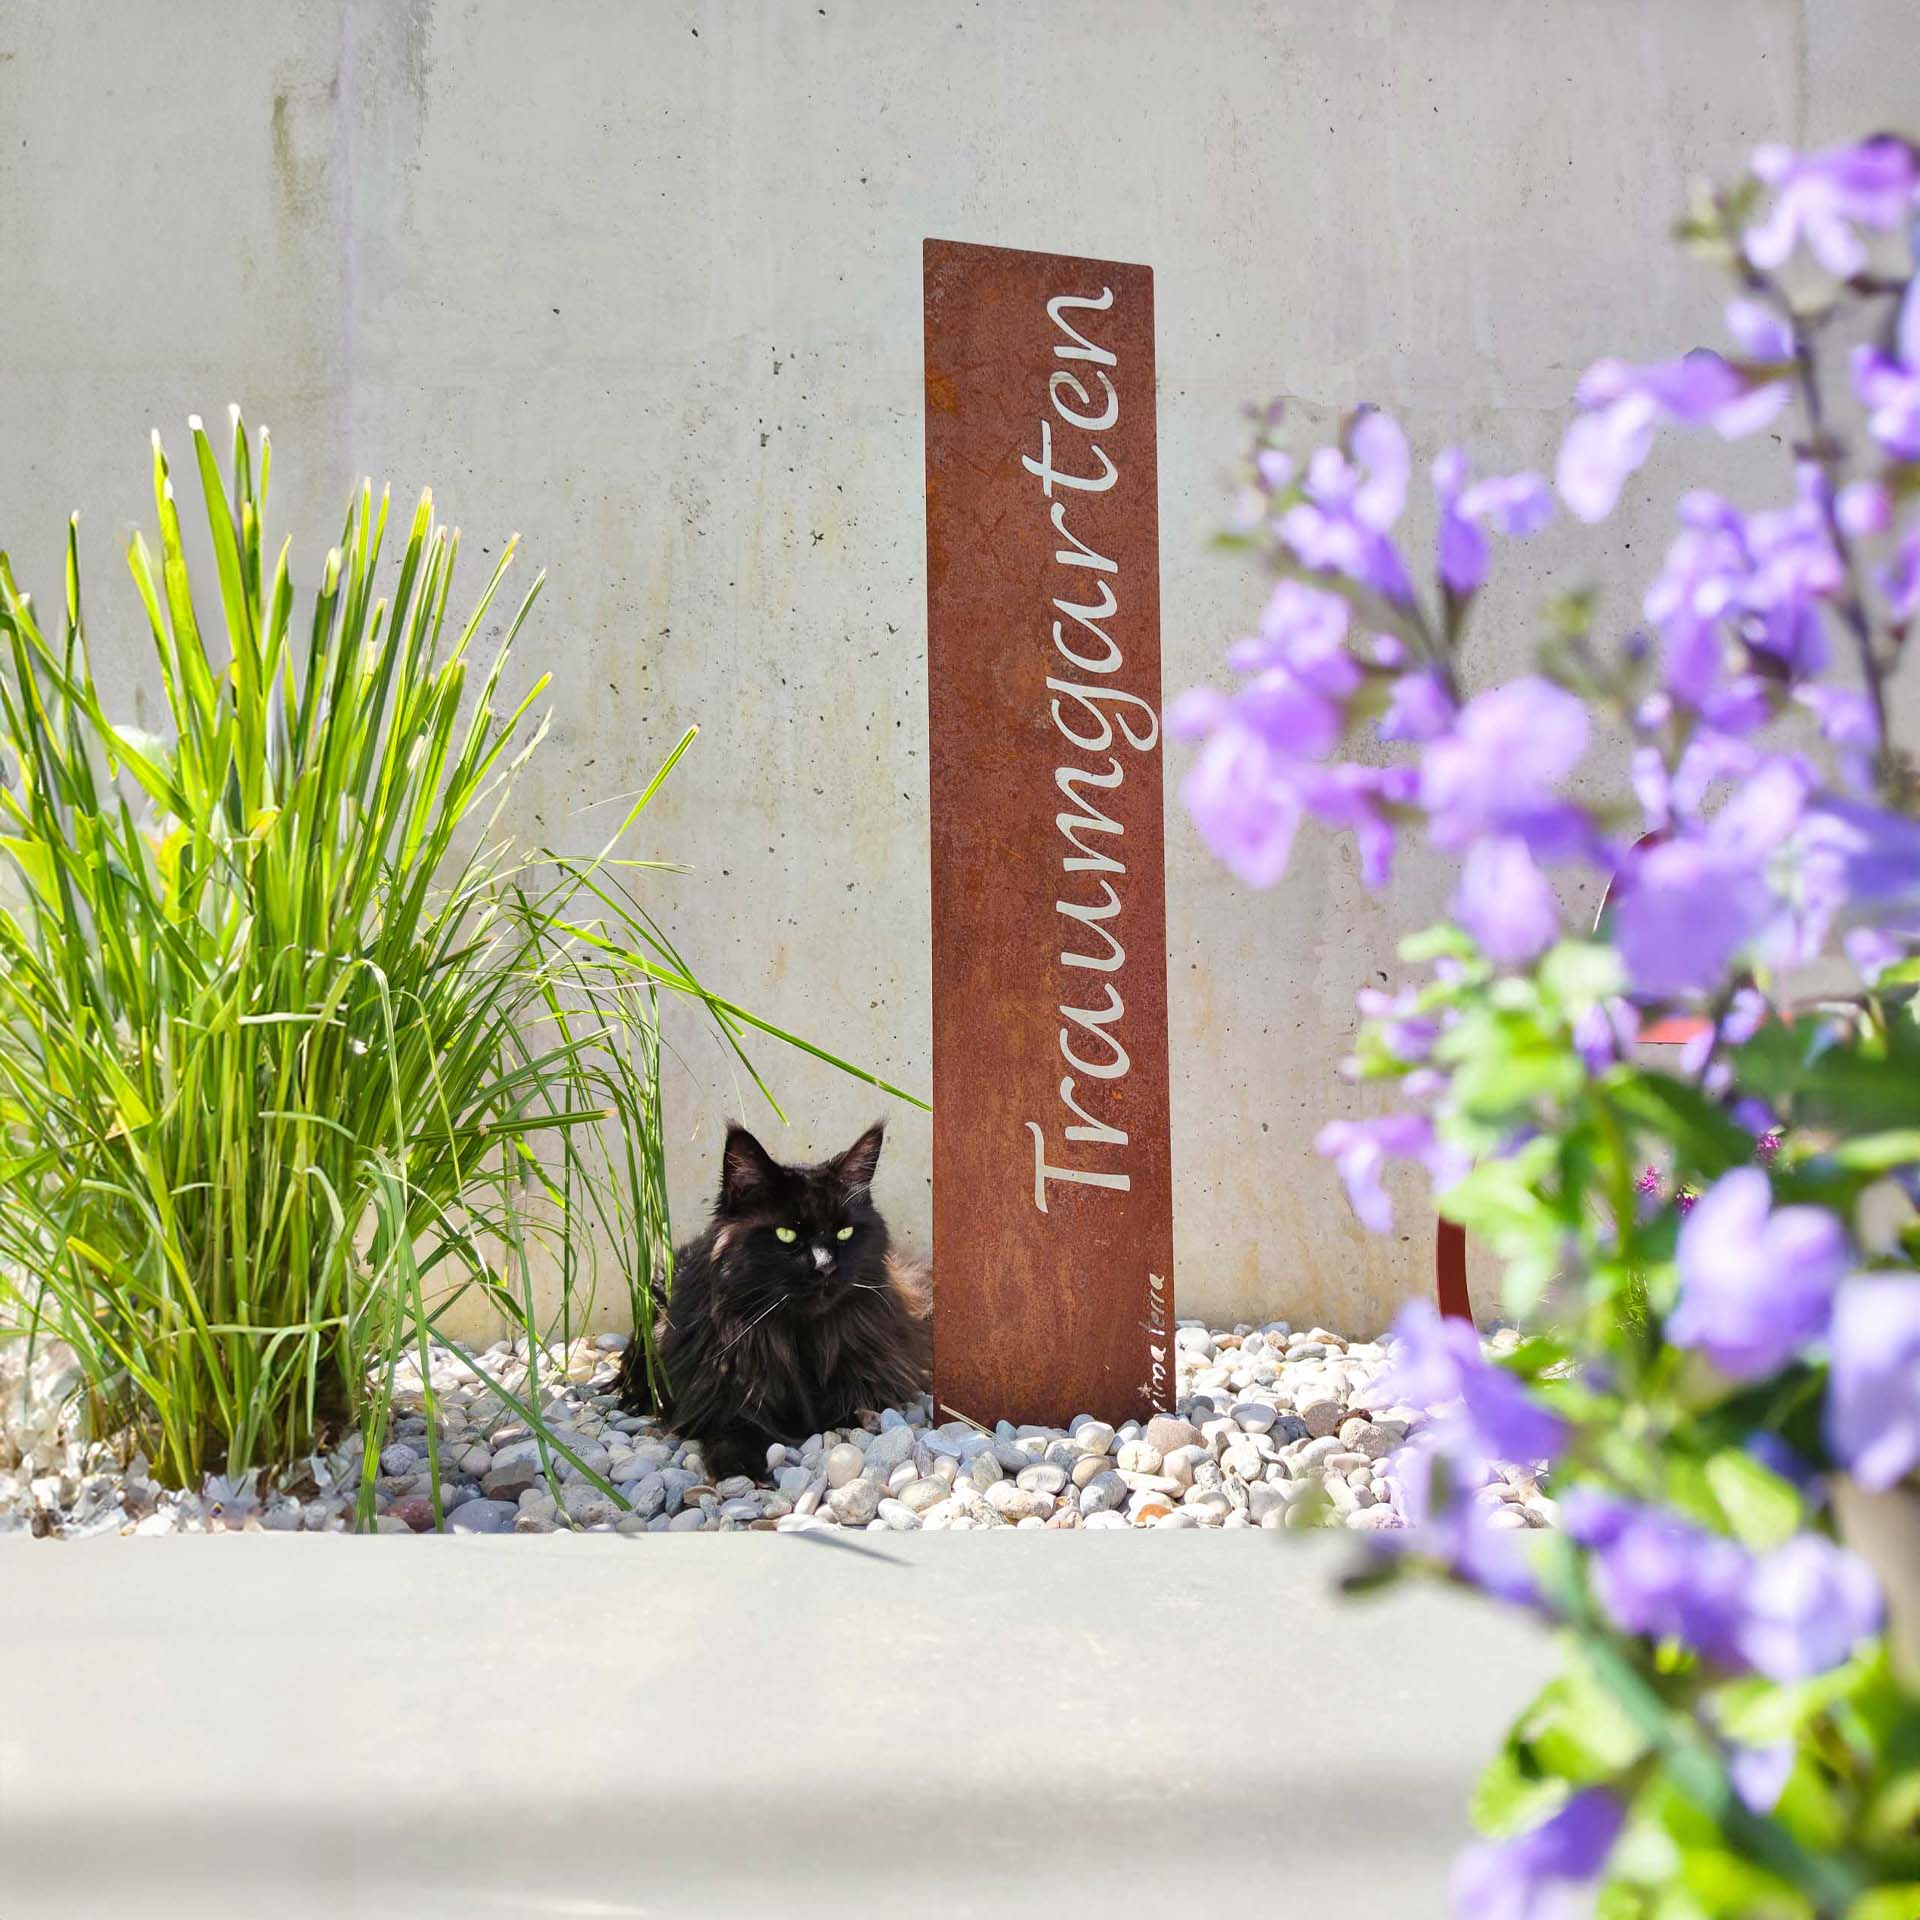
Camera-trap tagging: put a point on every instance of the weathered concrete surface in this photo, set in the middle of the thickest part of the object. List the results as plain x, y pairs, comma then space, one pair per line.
643, 283
1014, 1727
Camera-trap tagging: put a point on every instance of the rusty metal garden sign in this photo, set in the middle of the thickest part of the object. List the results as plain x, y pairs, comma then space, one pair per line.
1052, 1201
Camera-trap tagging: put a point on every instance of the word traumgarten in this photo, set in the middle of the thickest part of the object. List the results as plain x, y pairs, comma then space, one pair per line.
1089, 716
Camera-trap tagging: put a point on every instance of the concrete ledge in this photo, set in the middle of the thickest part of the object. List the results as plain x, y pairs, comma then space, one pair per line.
1006, 1724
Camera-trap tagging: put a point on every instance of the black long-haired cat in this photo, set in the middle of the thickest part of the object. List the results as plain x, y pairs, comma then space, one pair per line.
792, 1313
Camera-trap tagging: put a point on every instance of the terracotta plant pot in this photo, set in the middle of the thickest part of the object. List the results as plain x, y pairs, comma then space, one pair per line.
1884, 1530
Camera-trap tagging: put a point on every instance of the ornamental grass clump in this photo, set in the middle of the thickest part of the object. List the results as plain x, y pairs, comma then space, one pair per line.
298, 1047
1722, 1368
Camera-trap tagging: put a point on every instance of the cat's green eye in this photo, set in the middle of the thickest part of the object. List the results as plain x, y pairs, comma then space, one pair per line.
786, 1235
845, 1233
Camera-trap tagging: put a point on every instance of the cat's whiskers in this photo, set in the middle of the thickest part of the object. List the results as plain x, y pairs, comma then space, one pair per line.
751, 1324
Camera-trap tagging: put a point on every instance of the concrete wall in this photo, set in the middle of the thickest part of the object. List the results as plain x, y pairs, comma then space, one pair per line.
642, 282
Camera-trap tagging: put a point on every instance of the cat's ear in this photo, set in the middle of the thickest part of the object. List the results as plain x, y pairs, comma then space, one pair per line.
747, 1171
855, 1167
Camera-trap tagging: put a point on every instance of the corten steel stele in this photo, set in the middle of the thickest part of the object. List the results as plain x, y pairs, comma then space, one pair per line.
1052, 1192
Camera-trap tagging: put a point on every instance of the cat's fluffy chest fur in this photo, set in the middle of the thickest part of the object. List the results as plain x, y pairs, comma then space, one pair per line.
791, 1313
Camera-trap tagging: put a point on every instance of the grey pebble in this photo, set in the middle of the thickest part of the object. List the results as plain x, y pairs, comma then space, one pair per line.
483, 1516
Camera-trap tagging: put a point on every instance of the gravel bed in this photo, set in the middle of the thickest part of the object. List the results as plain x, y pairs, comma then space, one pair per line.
1272, 1427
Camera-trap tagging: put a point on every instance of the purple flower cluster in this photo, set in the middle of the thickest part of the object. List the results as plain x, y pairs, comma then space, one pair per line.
1262, 768
1480, 1409
1531, 1877
1873, 1382
1689, 904
1754, 856
1757, 1282
1738, 602
1480, 1415
1490, 786
1622, 407
1360, 1150
1762, 1285
1266, 757
1516, 504
1444, 1524
1821, 199
1789, 1614
1888, 384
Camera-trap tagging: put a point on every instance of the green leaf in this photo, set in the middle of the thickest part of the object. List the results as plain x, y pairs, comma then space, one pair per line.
1889, 1902
1443, 941
1504, 1060
1498, 1202
1581, 973
1855, 1088
1880, 1152
1576, 1729
35, 860
1512, 1795
1706, 1141
1762, 1509
1725, 1884
1761, 1713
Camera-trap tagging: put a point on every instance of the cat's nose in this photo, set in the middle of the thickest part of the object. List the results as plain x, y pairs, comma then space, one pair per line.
822, 1260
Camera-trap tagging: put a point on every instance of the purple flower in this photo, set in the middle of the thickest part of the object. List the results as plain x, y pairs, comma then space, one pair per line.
1604, 1034
1760, 1774
1515, 504
1872, 952
1760, 333
1683, 915
1776, 1456
1302, 631
1848, 723
1622, 407
1506, 902
1242, 796
1451, 1528
1599, 450
1756, 1281
1789, 1614
1438, 1365
1500, 768
1807, 1605
1889, 384
1261, 768
1900, 582
1792, 567
1697, 585
1688, 905
1756, 579
1360, 1149
1353, 499
1288, 714
1656, 1575
1857, 862
1407, 1034
1534, 1876
1863, 508
1819, 199
1745, 1013
1275, 467
1347, 794
1418, 708
1873, 1384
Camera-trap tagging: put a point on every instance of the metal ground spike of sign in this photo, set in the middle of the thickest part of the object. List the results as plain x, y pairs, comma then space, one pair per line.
1052, 1195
